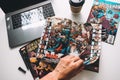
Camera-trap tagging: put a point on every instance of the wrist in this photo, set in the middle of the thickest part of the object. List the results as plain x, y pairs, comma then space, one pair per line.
54, 75
51, 76
58, 75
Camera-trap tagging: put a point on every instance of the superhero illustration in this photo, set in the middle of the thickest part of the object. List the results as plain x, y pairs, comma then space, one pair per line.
33, 60
106, 13
63, 37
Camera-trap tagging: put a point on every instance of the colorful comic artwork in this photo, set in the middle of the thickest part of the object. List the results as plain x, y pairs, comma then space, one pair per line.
33, 60
107, 13
63, 37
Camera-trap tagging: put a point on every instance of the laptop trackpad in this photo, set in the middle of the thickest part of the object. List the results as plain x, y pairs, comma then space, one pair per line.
26, 33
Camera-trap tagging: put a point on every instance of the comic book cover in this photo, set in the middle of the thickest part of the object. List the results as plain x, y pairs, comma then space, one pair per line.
63, 37
107, 13
33, 60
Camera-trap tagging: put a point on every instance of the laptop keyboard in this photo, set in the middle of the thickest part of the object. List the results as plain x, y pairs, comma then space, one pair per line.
32, 16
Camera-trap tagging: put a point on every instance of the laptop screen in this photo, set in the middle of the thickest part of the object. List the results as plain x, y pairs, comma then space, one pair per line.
13, 5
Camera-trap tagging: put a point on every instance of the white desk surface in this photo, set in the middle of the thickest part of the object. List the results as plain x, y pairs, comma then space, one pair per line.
10, 59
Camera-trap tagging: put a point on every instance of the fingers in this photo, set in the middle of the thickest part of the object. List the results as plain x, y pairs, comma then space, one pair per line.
79, 62
75, 58
69, 66
69, 57
66, 60
79, 66
72, 58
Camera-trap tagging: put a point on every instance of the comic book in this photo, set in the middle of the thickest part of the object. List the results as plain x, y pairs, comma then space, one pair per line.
33, 60
63, 37
107, 13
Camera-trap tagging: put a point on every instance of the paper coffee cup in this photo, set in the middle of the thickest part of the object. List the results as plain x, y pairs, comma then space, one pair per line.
76, 5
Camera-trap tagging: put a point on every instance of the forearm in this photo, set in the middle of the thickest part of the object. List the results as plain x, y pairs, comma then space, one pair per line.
67, 67
52, 76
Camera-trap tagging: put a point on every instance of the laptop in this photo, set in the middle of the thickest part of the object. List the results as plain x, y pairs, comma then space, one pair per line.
25, 19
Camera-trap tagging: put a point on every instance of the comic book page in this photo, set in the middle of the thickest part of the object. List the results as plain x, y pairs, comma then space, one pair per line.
63, 37
33, 60
107, 13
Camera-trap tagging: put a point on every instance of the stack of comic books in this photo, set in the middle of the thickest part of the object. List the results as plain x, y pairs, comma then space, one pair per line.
107, 13
62, 37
